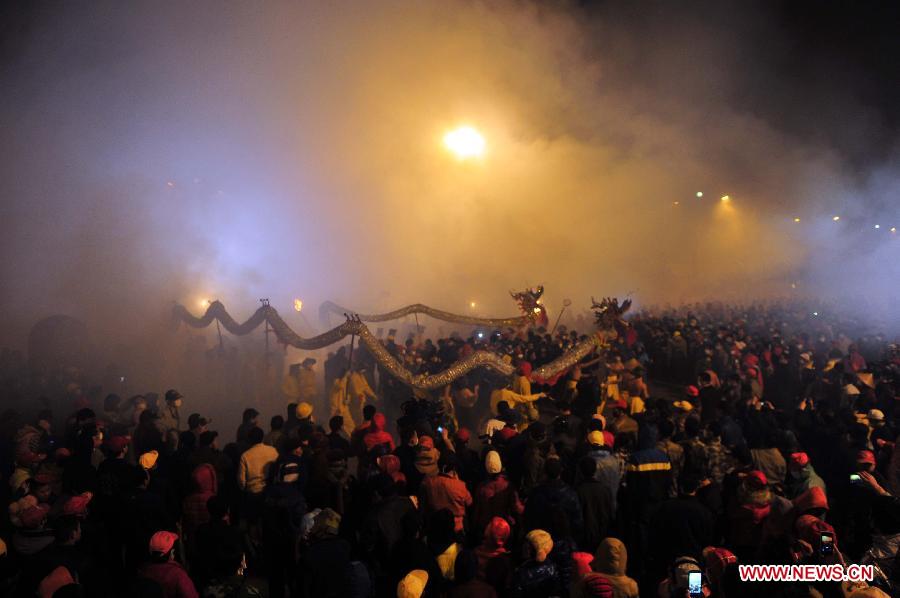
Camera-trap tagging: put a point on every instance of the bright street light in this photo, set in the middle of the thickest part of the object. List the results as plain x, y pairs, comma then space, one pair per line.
465, 142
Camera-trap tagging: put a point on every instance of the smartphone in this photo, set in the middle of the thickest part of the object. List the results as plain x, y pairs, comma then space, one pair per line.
695, 584
826, 547
854, 478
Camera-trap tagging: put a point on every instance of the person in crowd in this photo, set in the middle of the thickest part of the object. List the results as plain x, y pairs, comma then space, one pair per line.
169, 422
165, 570
276, 431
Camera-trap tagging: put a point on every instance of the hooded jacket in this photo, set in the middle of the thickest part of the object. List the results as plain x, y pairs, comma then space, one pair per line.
814, 498
799, 481
446, 492
611, 559
375, 434
648, 474
205, 484
495, 497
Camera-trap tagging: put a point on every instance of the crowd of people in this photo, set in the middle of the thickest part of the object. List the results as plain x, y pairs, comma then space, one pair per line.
699, 440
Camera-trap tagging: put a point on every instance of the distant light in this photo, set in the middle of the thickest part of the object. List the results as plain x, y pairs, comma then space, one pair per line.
676, 203
699, 193
836, 218
877, 226
298, 305
893, 229
480, 335
170, 184
466, 142
793, 285
796, 219
815, 313
472, 304
537, 310
205, 303
726, 198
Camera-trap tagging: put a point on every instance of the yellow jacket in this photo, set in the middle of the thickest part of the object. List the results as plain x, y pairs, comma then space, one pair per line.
512, 398
359, 387
338, 396
300, 388
521, 385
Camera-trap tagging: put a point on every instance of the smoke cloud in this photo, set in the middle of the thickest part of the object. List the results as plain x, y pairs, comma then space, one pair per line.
167, 151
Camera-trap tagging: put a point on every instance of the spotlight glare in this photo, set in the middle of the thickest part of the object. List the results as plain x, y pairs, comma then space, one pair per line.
726, 198
465, 142
877, 226
298, 305
836, 218
797, 219
699, 193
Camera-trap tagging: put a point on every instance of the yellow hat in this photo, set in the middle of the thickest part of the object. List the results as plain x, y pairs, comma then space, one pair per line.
541, 542
683, 405
413, 585
304, 410
148, 460
596, 437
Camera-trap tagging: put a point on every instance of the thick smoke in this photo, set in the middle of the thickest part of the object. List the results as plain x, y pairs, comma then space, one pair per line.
187, 151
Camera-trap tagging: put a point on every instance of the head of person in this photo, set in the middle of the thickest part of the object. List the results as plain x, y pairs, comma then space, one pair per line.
208, 439
250, 415
255, 436
553, 469
369, 412
304, 411
276, 423
336, 423
174, 398
538, 545
162, 546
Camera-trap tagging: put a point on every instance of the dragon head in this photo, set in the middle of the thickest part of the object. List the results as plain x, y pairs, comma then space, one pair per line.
609, 312
529, 302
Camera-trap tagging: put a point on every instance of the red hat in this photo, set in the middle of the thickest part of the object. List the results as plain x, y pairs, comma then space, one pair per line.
865, 457
505, 434
717, 559
77, 505
799, 460
582, 562
426, 442
463, 435
524, 368
117, 444
757, 479
497, 531
162, 542
32, 517
692, 391
813, 498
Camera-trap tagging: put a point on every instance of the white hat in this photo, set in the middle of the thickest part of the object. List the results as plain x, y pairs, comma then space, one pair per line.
875, 415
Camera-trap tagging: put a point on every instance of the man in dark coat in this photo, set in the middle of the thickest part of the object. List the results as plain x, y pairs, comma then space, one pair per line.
553, 494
